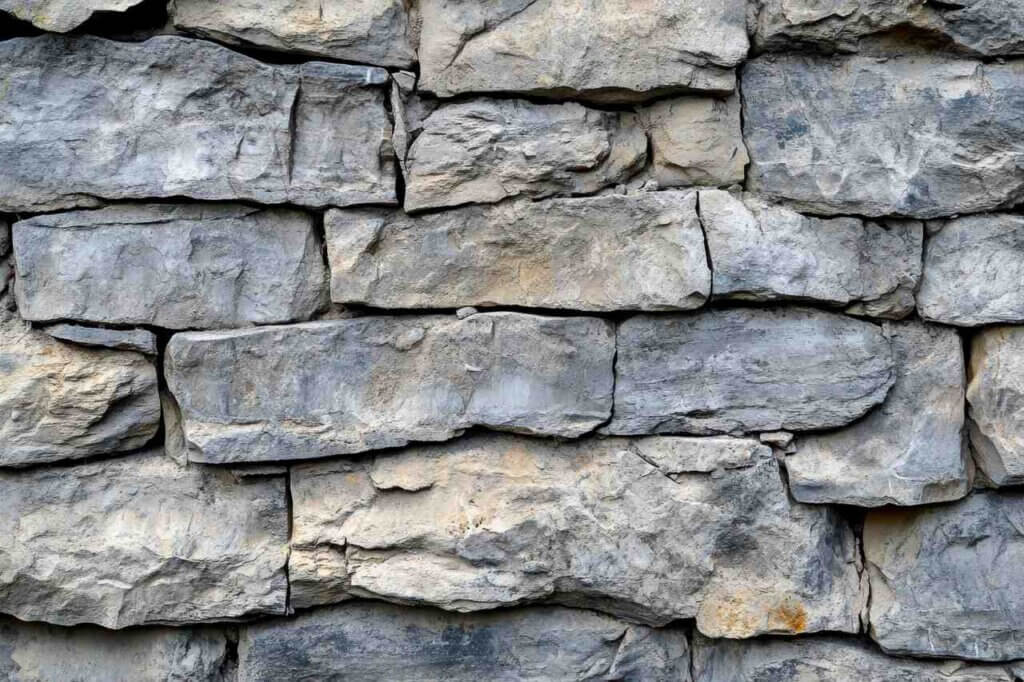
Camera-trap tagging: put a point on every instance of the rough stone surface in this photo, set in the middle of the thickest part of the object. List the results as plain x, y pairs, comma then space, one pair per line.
140, 539
919, 137
366, 31
911, 449
174, 266
945, 580
62, 15
764, 252
747, 370
624, 526
31, 652
974, 271
345, 386
996, 397
643, 251
369, 642
485, 150
139, 340
88, 117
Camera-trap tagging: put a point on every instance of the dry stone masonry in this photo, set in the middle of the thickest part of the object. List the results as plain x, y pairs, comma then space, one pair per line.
661, 341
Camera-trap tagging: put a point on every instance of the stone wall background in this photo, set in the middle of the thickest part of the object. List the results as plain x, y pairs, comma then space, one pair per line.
512, 340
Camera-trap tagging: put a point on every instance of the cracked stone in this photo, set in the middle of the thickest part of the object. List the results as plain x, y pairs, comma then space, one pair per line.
996, 398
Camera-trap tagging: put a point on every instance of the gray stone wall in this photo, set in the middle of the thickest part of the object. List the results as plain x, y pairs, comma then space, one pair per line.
473, 340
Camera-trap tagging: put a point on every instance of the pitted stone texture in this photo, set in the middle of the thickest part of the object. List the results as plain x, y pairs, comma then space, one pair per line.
346, 386
911, 449
610, 51
486, 150
366, 31
62, 16
996, 398
642, 252
140, 539
174, 266
367, 642
59, 401
88, 117
139, 340
920, 137
824, 659
974, 271
741, 370
33, 652
763, 252
498, 520
945, 580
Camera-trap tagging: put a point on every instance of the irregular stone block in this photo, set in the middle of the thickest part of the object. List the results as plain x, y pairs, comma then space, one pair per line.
139, 340
346, 386
485, 150
974, 271
945, 580
88, 117
742, 370
370, 641
920, 137
643, 251
62, 15
764, 252
996, 398
624, 526
179, 267
141, 540
824, 659
604, 51
33, 652
59, 401
911, 450
370, 31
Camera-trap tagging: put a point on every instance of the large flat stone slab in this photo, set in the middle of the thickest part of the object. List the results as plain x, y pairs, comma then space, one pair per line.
89, 118
62, 16
175, 266
742, 370
642, 252
649, 529
141, 539
919, 137
368, 641
346, 386
996, 398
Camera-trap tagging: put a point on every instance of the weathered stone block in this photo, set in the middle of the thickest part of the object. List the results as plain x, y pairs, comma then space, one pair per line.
141, 540
87, 118
743, 370
346, 386
630, 527
179, 267
140, 340
370, 641
910, 450
485, 150
643, 251
996, 398
62, 15
912, 136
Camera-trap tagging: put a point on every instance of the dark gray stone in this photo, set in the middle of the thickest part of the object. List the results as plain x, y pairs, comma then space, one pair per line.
139, 340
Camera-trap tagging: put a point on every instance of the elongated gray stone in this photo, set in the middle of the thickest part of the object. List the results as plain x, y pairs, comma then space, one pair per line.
140, 340
974, 271
945, 580
88, 117
33, 652
741, 370
346, 386
920, 137
180, 267
910, 450
367, 642
370, 31
62, 15
643, 251
5, 238
629, 527
601, 51
486, 150
996, 398
141, 539
764, 252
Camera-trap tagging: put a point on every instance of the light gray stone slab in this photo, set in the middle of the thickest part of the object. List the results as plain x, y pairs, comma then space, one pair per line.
996, 398
89, 118
140, 340
742, 370
643, 251
174, 266
62, 16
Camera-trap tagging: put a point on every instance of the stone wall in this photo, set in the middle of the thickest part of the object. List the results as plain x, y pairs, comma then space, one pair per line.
512, 340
